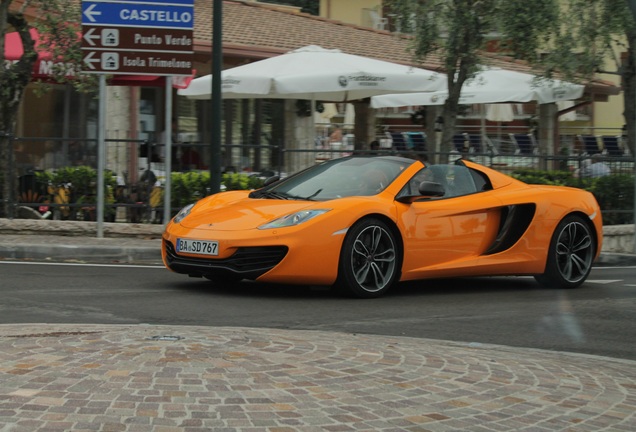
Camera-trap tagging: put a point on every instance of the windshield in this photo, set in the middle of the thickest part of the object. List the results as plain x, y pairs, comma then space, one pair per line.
338, 178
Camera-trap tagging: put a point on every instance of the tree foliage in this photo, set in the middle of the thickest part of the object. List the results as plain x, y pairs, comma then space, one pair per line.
58, 25
571, 38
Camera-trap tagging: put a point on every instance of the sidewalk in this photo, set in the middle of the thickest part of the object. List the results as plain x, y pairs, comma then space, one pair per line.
131, 378
170, 378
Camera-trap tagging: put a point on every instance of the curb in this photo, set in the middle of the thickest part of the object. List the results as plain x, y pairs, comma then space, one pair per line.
79, 228
83, 254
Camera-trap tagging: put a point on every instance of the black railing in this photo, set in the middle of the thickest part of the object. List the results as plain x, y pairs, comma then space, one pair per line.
135, 188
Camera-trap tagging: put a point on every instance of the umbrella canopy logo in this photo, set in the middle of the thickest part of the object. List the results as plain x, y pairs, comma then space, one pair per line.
229, 82
367, 80
361, 80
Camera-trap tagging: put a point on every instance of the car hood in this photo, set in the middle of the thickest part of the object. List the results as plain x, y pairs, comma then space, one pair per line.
223, 213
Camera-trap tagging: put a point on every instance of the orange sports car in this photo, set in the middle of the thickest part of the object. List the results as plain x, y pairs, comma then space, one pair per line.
363, 223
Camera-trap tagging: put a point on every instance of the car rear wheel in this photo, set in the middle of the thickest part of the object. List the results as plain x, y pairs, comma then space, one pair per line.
571, 254
369, 260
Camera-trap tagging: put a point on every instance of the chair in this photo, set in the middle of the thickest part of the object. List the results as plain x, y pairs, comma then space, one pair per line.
590, 144
378, 22
399, 142
526, 144
612, 145
418, 141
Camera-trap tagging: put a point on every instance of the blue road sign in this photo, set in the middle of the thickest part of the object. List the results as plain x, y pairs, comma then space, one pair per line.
158, 15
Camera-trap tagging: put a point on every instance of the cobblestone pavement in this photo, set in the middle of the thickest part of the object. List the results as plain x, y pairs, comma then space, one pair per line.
170, 378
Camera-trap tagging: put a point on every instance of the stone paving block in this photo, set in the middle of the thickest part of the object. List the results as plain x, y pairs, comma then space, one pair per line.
118, 378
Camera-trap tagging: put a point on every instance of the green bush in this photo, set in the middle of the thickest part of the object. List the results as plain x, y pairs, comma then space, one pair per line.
238, 181
188, 187
82, 182
614, 193
555, 178
191, 186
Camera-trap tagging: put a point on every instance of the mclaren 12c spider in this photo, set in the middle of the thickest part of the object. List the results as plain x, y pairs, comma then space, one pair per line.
364, 223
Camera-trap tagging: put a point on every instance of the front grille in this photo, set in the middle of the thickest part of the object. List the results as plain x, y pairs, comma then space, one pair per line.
246, 262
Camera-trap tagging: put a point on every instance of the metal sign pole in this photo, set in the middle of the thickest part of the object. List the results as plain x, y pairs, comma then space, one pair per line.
168, 160
101, 154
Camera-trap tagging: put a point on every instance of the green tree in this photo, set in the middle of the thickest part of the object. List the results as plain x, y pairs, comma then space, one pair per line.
592, 39
572, 38
58, 25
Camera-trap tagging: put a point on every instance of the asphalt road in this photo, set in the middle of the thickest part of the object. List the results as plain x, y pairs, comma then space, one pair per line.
597, 318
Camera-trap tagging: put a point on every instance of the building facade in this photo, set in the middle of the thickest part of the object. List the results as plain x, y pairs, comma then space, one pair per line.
63, 124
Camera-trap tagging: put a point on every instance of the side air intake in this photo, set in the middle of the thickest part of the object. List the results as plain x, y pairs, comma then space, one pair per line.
515, 220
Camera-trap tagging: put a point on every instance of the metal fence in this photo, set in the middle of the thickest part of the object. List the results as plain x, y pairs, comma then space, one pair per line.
138, 171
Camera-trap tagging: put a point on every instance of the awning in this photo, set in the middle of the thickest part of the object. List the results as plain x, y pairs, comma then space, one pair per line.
46, 64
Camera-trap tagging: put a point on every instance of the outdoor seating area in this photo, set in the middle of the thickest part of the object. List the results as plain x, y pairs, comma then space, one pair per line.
607, 145
526, 144
590, 144
612, 145
505, 151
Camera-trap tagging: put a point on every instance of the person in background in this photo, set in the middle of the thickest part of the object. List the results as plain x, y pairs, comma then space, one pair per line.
597, 168
335, 136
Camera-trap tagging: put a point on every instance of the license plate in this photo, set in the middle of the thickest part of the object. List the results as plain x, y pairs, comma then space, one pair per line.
203, 247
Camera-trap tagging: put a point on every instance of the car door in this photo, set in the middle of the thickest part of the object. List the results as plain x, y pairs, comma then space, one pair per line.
452, 230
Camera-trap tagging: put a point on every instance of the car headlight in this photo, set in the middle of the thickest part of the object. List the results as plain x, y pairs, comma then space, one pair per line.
183, 213
293, 219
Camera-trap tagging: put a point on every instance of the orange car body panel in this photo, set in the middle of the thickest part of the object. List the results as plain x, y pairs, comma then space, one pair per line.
441, 237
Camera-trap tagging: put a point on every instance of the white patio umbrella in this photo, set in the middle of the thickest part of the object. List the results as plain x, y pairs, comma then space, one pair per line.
315, 73
491, 85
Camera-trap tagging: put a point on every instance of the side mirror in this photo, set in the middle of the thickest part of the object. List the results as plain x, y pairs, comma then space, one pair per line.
427, 189
270, 180
431, 189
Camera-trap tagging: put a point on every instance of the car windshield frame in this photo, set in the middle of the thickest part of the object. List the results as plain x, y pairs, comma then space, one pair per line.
338, 178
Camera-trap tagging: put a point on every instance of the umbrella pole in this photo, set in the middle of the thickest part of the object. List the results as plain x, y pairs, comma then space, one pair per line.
482, 132
313, 121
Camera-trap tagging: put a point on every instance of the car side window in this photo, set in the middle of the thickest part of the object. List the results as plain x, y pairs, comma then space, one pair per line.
432, 173
460, 181
457, 180
482, 182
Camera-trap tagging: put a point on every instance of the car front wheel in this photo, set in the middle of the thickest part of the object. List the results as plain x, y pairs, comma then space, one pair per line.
571, 254
369, 260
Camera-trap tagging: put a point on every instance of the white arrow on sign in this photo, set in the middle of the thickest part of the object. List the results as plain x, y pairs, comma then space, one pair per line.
89, 60
89, 36
90, 13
